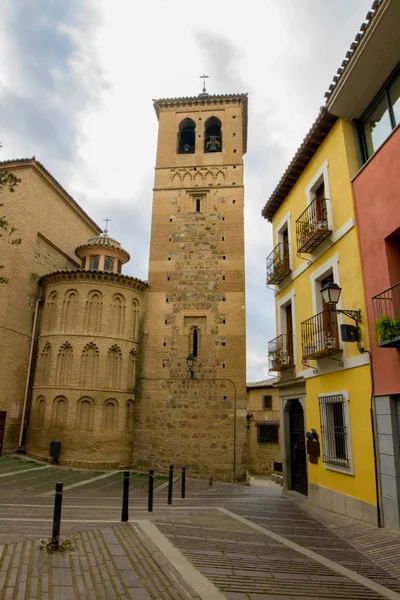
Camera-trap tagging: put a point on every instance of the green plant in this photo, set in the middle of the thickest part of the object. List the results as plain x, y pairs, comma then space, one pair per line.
387, 328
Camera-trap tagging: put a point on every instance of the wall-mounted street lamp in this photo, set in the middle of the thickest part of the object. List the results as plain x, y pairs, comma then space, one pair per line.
190, 363
331, 294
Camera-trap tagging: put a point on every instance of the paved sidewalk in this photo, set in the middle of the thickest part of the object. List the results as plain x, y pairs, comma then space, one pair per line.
222, 542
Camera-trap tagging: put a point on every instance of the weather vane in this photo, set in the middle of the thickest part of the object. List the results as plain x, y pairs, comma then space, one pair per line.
204, 77
107, 220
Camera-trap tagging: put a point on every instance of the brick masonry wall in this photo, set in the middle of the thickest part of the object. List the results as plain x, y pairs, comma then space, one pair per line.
50, 228
103, 434
261, 456
196, 279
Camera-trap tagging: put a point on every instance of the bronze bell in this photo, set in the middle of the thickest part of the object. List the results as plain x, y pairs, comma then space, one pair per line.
213, 144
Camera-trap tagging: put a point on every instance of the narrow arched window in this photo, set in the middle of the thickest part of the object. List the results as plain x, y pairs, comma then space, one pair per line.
84, 415
117, 317
212, 135
195, 342
187, 137
69, 310
93, 312
89, 365
94, 263
113, 368
108, 263
129, 415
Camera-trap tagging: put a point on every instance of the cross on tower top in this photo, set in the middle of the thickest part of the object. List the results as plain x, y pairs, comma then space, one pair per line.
204, 77
107, 220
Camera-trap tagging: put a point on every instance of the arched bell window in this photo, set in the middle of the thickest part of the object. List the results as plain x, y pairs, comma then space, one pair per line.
187, 137
108, 263
212, 135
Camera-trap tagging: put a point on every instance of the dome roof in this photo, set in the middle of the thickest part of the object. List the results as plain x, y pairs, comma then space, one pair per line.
104, 241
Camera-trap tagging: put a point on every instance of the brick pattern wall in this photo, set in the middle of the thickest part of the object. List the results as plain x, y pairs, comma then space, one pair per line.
84, 391
196, 280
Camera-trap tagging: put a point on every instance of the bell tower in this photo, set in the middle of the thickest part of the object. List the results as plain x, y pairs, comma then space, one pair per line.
192, 383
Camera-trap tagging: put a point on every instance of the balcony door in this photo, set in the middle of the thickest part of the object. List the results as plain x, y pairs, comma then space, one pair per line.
289, 331
320, 204
329, 317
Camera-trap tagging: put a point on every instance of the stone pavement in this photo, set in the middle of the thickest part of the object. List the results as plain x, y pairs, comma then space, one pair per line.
224, 541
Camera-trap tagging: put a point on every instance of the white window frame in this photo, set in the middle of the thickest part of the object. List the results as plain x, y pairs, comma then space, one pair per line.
285, 224
325, 440
282, 304
321, 176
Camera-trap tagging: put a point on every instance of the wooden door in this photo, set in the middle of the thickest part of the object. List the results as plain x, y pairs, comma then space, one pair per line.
3, 415
289, 331
298, 457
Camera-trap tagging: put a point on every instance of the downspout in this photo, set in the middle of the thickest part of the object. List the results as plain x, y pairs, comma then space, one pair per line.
371, 411
28, 373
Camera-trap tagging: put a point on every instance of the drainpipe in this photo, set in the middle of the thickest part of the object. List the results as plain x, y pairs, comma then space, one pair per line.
371, 411
28, 374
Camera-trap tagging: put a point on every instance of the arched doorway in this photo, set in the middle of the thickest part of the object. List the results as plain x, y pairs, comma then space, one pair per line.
298, 459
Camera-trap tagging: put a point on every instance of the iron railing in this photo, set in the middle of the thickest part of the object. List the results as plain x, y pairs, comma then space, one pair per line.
387, 317
312, 226
280, 353
319, 335
278, 264
334, 430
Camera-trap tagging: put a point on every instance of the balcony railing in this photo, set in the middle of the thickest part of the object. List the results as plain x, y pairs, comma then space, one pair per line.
312, 226
280, 353
319, 336
387, 317
278, 264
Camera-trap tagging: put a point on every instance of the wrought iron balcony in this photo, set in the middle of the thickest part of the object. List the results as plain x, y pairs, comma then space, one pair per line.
319, 335
278, 264
312, 226
387, 317
280, 353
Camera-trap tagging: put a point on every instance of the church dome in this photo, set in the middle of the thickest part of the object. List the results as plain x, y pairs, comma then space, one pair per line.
102, 253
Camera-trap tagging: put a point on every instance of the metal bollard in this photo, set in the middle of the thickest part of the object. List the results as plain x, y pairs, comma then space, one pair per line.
125, 498
170, 482
55, 538
151, 486
183, 482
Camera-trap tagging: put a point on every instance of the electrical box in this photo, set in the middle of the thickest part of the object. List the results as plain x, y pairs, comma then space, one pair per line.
55, 449
349, 333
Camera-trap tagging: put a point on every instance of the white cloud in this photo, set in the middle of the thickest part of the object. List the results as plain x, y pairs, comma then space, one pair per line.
78, 78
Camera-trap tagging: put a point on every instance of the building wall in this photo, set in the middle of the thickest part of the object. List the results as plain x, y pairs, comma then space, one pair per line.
262, 456
337, 157
50, 227
88, 350
376, 196
196, 279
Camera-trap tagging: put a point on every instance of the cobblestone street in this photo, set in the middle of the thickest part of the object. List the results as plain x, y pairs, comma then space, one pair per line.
225, 541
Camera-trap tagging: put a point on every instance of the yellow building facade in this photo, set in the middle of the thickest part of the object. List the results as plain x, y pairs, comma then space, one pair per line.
315, 247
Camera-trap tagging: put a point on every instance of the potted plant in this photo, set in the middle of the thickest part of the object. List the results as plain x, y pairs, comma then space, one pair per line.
275, 358
329, 340
387, 328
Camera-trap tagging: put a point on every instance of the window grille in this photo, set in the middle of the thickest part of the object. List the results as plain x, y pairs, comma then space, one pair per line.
335, 431
268, 433
267, 402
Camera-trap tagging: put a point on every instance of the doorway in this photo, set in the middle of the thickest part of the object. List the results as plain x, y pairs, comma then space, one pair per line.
3, 415
298, 458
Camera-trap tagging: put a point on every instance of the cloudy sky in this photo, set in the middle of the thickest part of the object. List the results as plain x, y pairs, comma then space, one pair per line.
76, 88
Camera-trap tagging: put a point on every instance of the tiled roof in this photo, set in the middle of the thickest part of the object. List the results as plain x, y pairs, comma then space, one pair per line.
32, 161
354, 45
319, 129
107, 274
314, 138
103, 240
262, 384
208, 98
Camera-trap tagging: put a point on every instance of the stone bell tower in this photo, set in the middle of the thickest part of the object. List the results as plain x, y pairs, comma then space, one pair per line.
192, 383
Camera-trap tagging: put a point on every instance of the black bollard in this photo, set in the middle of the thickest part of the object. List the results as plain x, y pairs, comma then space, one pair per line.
170, 482
125, 498
183, 482
55, 538
151, 486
